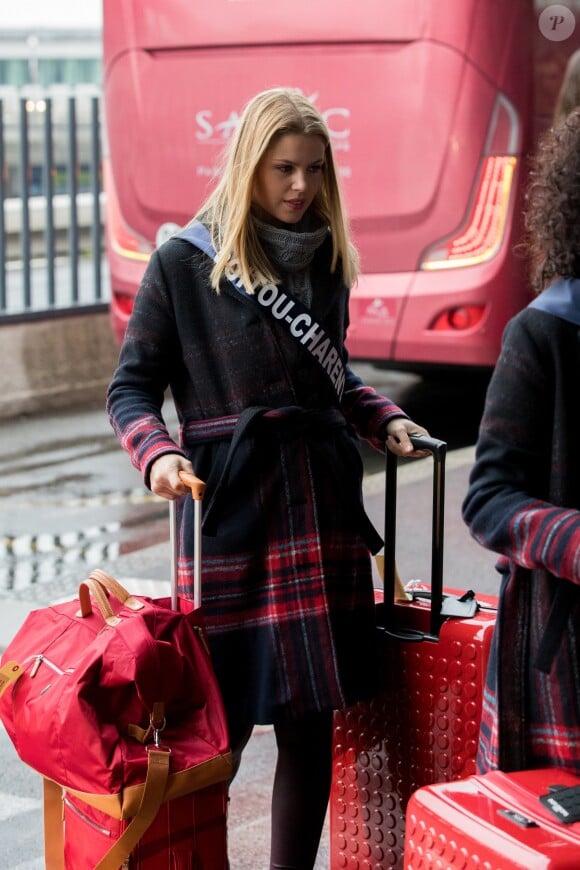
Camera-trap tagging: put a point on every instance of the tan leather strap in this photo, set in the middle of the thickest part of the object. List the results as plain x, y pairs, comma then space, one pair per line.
53, 826
155, 784
114, 588
98, 584
92, 589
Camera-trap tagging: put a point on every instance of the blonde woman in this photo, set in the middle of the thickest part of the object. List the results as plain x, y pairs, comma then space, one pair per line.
244, 316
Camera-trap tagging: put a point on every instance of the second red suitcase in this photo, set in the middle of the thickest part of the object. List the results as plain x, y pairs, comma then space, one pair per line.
495, 822
187, 833
423, 726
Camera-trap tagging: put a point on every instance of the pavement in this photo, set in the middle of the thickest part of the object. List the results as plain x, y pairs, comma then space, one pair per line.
146, 571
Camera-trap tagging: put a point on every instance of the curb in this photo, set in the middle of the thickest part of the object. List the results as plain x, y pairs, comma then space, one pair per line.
64, 361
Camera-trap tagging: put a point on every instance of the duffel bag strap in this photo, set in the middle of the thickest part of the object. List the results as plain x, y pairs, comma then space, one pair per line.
155, 784
53, 826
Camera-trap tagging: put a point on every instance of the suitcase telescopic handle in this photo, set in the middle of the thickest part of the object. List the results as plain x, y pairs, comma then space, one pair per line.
197, 488
438, 450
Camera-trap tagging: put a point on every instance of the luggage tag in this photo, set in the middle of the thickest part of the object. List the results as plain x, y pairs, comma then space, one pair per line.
9, 673
563, 802
463, 607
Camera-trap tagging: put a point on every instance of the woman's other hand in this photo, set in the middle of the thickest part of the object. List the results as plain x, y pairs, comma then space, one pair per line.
398, 441
164, 477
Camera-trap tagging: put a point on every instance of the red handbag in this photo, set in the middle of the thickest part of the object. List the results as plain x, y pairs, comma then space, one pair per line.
117, 706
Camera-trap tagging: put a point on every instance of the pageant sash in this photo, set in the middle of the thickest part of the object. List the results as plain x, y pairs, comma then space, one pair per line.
287, 310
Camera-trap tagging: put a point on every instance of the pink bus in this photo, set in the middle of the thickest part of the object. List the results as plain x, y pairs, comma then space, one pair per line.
433, 106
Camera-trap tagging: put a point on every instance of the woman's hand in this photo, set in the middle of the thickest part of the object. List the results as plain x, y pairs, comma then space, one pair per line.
398, 441
164, 477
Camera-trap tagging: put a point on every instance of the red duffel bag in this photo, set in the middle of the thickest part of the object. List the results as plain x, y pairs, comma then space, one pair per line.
115, 705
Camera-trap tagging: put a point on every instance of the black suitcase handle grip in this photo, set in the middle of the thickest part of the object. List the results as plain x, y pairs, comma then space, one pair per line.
438, 450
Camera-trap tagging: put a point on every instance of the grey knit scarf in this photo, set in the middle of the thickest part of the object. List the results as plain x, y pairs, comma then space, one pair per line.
291, 252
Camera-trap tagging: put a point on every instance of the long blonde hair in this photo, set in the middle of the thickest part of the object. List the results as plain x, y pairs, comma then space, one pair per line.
269, 115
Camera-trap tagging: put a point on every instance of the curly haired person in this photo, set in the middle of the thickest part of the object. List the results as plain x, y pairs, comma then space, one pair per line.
523, 499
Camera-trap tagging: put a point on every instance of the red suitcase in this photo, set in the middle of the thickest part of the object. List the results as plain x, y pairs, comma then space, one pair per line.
187, 833
495, 822
423, 726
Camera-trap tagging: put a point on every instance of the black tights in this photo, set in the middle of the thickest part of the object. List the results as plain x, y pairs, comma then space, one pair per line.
301, 788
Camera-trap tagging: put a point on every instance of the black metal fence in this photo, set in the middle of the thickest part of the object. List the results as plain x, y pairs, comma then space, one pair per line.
51, 198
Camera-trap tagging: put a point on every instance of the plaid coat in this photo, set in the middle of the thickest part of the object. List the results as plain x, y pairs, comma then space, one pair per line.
523, 502
287, 587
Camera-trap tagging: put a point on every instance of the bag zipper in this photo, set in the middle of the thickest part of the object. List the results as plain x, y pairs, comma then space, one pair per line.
85, 818
39, 660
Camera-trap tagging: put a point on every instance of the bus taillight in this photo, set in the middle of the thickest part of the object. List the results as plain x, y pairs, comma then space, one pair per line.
480, 236
123, 303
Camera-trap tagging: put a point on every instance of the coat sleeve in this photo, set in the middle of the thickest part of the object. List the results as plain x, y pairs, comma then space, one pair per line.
147, 359
506, 506
367, 411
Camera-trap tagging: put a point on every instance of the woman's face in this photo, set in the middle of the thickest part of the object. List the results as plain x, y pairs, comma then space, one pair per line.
288, 177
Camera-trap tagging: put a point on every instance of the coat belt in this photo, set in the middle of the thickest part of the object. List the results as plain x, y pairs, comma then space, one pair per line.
291, 421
